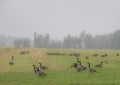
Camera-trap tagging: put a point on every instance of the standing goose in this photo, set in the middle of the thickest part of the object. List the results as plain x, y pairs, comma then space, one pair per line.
43, 67
12, 61
91, 69
77, 60
35, 69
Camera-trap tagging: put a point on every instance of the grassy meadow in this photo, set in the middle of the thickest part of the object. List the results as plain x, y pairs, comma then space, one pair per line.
59, 71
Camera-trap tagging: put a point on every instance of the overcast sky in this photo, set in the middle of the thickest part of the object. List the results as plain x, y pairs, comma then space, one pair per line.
58, 17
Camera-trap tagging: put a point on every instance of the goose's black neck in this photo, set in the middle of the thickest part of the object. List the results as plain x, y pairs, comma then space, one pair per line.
80, 63
34, 66
40, 64
12, 57
88, 65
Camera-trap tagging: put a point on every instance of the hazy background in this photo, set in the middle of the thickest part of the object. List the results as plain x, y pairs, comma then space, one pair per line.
58, 17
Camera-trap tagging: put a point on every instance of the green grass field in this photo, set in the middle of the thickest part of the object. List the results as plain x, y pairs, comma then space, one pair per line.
59, 72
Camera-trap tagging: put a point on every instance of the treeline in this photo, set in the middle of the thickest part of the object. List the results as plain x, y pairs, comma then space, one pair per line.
6, 41
84, 40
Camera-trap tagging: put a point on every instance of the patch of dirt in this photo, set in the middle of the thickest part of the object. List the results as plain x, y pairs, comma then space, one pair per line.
2, 68
39, 56
12, 52
7, 53
55, 66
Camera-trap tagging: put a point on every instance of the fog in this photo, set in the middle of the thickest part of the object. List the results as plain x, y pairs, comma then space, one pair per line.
58, 17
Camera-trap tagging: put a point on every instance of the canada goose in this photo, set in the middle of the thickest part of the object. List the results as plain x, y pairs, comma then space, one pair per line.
35, 69
80, 67
104, 55
99, 65
11, 61
91, 69
38, 71
74, 65
77, 60
86, 57
43, 67
95, 55
76, 54
117, 54
42, 74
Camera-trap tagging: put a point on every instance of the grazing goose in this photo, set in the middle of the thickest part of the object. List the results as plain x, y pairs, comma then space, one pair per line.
38, 71
99, 65
80, 67
117, 54
41, 73
12, 61
74, 65
86, 57
91, 69
43, 67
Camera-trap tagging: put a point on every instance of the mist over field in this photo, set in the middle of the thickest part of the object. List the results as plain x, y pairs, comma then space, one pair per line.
58, 17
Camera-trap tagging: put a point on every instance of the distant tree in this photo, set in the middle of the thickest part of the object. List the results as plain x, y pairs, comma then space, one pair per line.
72, 42
67, 42
82, 38
18, 43
22, 42
47, 41
2, 44
26, 42
79, 43
35, 40
38, 40
55, 44
41, 41
88, 41
115, 40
